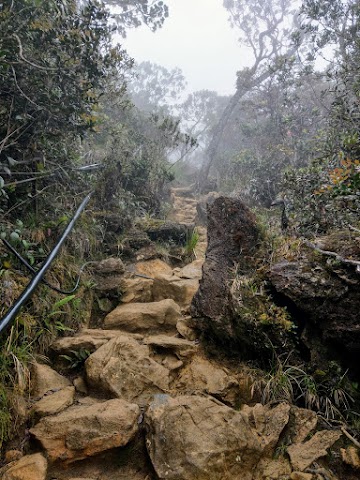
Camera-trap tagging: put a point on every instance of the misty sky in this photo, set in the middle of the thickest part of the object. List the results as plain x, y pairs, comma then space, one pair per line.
197, 38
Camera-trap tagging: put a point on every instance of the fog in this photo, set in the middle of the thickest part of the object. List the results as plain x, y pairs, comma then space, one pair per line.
198, 38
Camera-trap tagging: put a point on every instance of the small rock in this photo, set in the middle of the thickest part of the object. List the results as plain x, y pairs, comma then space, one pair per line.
350, 456
182, 348
44, 378
302, 455
54, 403
13, 455
109, 265
80, 385
184, 327
152, 268
145, 317
273, 469
30, 467
84, 431
191, 271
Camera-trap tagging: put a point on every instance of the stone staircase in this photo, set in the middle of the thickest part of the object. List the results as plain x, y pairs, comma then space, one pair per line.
149, 404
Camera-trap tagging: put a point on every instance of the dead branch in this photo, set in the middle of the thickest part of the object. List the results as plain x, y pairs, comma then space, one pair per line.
337, 257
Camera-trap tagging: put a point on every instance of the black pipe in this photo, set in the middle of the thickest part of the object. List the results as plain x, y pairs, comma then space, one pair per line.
29, 290
34, 272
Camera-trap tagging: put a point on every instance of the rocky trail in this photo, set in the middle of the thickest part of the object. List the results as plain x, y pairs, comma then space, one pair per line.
148, 404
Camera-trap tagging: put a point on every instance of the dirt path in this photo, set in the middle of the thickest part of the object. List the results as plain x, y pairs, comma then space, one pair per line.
148, 404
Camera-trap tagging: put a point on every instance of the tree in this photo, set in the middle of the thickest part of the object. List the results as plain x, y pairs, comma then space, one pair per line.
154, 87
265, 28
133, 13
55, 62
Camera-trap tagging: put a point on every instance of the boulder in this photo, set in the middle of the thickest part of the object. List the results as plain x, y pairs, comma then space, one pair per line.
181, 290
44, 379
197, 438
203, 376
54, 403
154, 317
84, 431
124, 368
30, 467
328, 302
302, 455
232, 240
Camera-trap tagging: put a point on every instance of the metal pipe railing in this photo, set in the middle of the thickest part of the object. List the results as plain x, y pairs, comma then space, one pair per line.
29, 290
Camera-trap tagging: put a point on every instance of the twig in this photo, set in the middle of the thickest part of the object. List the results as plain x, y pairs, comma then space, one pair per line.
350, 437
21, 91
354, 229
21, 54
25, 201
337, 257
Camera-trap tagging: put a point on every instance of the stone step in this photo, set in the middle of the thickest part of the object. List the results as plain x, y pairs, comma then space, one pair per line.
154, 317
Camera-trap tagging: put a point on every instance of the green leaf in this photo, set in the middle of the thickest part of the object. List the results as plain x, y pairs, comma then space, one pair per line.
63, 301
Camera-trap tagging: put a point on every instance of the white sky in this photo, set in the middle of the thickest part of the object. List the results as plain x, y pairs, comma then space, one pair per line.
197, 38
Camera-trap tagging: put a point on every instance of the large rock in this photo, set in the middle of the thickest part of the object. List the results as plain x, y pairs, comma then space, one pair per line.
152, 317
30, 467
45, 379
203, 376
181, 290
124, 368
328, 302
232, 240
197, 438
84, 431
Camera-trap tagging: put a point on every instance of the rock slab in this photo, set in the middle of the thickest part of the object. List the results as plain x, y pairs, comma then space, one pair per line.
84, 431
197, 438
124, 368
